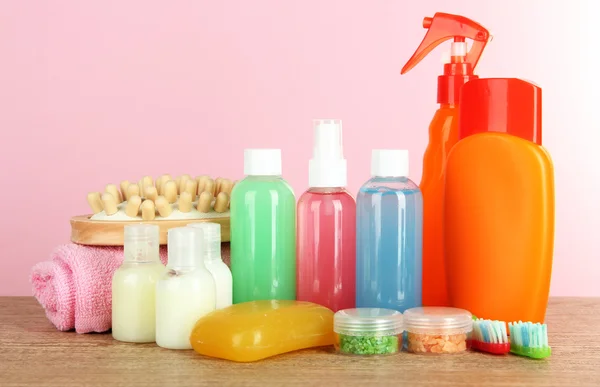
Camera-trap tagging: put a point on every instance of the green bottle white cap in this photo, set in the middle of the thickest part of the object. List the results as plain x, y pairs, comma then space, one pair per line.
262, 162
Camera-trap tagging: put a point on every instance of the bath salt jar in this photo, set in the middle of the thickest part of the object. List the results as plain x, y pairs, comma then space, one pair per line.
368, 331
438, 329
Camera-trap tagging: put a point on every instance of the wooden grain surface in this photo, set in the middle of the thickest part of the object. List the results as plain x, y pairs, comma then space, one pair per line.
85, 231
33, 353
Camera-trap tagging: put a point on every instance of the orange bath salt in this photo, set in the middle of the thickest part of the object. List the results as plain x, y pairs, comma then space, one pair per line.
424, 343
438, 330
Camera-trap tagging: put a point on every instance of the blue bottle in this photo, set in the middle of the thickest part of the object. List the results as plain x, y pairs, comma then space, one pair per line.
389, 235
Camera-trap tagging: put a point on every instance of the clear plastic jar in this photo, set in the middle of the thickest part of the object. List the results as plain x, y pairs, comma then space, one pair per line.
368, 331
438, 330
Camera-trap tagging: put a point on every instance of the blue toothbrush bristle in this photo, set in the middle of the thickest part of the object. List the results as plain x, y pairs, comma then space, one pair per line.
528, 334
488, 331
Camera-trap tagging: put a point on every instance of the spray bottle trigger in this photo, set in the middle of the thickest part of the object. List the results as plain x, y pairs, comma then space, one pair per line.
442, 27
427, 22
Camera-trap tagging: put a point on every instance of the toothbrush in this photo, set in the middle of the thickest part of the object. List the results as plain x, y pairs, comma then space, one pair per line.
490, 336
529, 339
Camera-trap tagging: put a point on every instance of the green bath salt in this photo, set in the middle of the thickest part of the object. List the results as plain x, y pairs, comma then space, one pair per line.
368, 331
369, 345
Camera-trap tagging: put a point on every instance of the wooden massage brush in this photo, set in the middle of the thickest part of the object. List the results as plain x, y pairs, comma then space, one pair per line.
164, 201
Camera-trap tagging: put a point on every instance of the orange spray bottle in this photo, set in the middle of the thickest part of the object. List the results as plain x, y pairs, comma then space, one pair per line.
443, 134
499, 203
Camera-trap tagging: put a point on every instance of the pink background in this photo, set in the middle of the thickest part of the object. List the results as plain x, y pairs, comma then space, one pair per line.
96, 93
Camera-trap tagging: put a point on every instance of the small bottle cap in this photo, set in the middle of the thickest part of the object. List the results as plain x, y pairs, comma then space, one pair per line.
212, 239
366, 321
502, 105
389, 163
328, 167
438, 320
186, 249
141, 243
262, 162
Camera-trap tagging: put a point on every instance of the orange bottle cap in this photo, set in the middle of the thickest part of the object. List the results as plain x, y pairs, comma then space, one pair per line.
505, 105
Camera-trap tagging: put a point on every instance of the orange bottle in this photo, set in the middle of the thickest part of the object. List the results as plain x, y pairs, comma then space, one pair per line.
443, 134
499, 203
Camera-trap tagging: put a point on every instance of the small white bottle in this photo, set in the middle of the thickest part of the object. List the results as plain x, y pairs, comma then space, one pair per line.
134, 285
186, 292
214, 263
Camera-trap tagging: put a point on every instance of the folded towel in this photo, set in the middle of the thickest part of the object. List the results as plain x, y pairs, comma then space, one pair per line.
74, 287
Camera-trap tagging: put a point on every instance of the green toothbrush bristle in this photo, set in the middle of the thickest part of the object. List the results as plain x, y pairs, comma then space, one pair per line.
528, 339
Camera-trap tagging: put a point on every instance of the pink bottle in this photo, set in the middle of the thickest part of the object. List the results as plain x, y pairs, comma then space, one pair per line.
326, 243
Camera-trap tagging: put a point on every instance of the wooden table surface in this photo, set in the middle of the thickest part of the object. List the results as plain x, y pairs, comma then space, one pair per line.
33, 352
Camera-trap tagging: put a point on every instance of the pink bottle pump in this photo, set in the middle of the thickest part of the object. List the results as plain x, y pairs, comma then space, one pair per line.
328, 166
326, 243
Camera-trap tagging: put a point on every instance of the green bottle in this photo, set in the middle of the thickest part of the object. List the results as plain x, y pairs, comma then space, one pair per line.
263, 231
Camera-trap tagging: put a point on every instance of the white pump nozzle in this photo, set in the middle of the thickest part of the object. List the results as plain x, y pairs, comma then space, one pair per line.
458, 49
327, 168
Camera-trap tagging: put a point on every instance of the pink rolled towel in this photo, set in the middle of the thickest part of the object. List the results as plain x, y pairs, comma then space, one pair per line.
74, 287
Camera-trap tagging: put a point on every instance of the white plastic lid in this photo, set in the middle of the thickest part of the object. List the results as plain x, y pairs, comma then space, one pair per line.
368, 321
141, 243
328, 167
212, 239
262, 162
389, 163
186, 248
438, 320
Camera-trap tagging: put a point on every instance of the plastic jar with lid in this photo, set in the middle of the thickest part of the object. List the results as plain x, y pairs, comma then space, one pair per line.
438, 329
368, 331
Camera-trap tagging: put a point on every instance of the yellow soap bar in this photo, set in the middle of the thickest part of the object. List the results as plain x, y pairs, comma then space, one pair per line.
255, 330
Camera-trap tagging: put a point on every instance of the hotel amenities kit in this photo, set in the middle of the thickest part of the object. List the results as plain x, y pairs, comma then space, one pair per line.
402, 267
